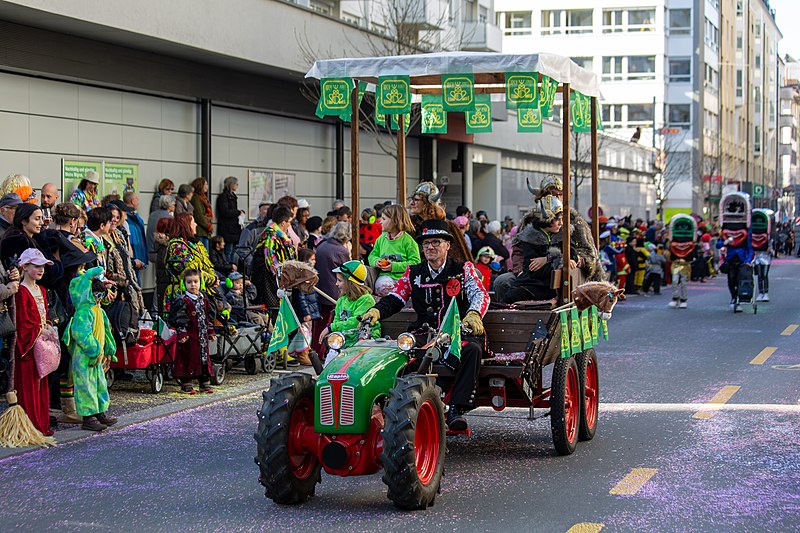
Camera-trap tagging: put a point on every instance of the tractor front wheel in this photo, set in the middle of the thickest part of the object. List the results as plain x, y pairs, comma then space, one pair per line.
288, 472
414, 442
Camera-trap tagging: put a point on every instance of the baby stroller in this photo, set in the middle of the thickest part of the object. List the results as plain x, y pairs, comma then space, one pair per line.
745, 287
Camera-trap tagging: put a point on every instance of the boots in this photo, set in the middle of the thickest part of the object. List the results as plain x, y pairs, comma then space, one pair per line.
91, 423
106, 420
70, 415
304, 358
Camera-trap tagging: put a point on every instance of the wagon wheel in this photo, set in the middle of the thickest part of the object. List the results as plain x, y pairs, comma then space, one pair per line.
565, 402
288, 471
250, 365
414, 442
109, 378
156, 380
590, 387
218, 375
268, 363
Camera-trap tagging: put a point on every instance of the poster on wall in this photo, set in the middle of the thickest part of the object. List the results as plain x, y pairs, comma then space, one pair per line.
72, 172
282, 185
260, 189
119, 178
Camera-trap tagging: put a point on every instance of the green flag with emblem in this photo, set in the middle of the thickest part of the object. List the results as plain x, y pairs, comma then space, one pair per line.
575, 329
335, 97
585, 331
562, 316
547, 95
434, 117
480, 119
395, 122
285, 324
458, 92
451, 324
581, 112
522, 90
393, 95
529, 120
594, 324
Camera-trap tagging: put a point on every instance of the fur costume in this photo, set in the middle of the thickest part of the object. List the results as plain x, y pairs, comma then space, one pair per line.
90, 341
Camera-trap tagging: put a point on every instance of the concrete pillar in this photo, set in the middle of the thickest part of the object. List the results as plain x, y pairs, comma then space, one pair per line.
467, 178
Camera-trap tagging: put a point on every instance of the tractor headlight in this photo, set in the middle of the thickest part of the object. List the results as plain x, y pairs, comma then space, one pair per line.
406, 341
335, 340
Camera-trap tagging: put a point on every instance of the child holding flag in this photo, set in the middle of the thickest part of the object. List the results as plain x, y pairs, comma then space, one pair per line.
355, 300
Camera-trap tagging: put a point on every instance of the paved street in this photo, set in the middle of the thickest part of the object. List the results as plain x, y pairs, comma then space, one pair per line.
659, 462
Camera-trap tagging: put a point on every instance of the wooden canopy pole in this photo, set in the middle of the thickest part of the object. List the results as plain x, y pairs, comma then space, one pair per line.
565, 155
595, 178
401, 161
355, 178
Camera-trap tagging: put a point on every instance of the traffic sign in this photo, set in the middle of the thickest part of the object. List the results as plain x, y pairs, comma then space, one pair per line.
758, 191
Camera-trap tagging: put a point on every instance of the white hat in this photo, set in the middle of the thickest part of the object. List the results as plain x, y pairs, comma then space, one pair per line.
302, 203
91, 177
605, 235
611, 223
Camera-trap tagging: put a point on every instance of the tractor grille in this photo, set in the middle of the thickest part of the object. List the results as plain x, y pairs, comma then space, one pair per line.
325, 406
346, 416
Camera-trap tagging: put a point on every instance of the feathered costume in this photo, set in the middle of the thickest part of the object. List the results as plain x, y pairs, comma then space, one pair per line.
181, 256
90, 341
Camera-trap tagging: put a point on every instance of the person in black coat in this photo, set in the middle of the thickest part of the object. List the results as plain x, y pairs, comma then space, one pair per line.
492, 240
228, 216
25, 233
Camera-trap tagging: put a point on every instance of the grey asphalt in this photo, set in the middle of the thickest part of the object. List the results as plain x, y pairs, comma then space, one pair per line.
737, 471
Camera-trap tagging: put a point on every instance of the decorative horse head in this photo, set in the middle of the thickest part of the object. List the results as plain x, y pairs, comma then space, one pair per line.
602, 294
298, 275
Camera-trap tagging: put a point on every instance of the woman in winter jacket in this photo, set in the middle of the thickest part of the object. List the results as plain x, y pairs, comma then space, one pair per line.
228, 215
202, 210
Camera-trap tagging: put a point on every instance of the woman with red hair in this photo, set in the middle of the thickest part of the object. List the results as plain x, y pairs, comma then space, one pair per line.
184, 252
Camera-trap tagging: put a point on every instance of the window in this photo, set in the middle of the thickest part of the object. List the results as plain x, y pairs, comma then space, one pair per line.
584, 62
639, 114
570, 21
712, 35
641, 19
483, 14
612, 21
379, 28
739, 83
711, 81
679, 114
757, 140
322, 6
758, 60
757, 99
515, 22
739, 41
642, 67
355, 20
612, 68
680, 21
553, 21
612, 114
579, 21
680, 69
739, 7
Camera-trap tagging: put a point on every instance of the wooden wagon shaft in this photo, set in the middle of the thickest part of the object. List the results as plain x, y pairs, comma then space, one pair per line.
565, 155
595, 179
355, 175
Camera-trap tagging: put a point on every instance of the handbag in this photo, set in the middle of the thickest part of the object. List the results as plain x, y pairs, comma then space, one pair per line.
6, 322
46, 351
56, 313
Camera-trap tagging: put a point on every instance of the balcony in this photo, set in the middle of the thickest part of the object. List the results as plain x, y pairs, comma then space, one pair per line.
482, 37
424, 15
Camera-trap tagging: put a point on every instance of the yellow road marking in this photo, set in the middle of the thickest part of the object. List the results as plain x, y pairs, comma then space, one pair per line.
789, 330
586, 527
634, 481
763, 355
721, 397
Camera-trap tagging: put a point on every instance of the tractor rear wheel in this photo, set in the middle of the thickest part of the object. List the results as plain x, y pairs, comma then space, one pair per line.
288, 472
565, 403
590, 388
414, 442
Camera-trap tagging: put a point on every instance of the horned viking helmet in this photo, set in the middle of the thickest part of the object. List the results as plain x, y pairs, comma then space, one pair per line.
550, 207
429, 190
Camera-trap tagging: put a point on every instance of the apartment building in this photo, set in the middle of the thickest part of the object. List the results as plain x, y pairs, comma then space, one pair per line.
789, 140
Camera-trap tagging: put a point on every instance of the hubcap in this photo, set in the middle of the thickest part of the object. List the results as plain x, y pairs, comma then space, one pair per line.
571, 405
591, 393
426, 442
301, 462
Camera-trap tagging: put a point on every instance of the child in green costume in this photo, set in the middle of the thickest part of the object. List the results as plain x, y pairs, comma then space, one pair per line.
90, 342
395, 250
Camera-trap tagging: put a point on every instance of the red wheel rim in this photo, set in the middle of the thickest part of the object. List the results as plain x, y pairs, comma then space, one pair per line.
301, 462
571, 404
426, 442
590, 392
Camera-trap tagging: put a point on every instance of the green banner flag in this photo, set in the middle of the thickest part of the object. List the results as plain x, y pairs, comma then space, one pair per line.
575, 329
362, 89
522, 90
581, 112
395, 122
451, 324
529, 120
586, 332
480, 120
335, 97
393, 95
604, 329
458, 92
562, 317
285, 324
547, 95
434, 117
595, 324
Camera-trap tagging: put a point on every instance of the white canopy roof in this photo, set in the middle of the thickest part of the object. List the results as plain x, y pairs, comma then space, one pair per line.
557, 67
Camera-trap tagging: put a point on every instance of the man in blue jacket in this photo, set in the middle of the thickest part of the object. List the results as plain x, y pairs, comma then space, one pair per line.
136, 232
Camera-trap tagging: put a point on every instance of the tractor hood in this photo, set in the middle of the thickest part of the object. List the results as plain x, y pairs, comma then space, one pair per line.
349, 385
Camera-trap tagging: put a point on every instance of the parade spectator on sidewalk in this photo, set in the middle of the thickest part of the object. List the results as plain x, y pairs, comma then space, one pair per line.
165, 188
492, 240
274, 247
218, 257
28, 224
300, 221
249, 238
120, 267
85, 196
186, 252
314, 228
334, 250
166, 210
183, 201
228, 213
48, 202
97, 227
203, 216
8, 206
134, 225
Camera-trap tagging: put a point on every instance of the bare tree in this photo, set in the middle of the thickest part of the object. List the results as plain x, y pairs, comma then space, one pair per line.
581, 161
673, 166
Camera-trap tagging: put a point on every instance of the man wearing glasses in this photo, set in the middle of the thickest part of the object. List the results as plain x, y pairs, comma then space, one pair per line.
430, 286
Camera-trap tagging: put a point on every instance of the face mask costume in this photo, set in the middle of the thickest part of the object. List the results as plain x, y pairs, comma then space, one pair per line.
760, 227
734, 217
683, 232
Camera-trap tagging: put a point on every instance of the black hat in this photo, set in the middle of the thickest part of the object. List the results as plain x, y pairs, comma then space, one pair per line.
75, 257
434, 228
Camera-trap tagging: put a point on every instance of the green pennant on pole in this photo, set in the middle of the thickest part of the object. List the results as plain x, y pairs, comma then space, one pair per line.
522, 90
434, 117
362, 90
529, 120
395, 122
393, 96
285, 324
480, 119
586, 332
451, 324
565, 351
335, 97
595, 324
581, 112
458, 92
575, 329
547, 95
604, 329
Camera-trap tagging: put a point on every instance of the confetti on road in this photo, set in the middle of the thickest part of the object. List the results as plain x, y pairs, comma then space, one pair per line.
721, 397
763, 355
634, 481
